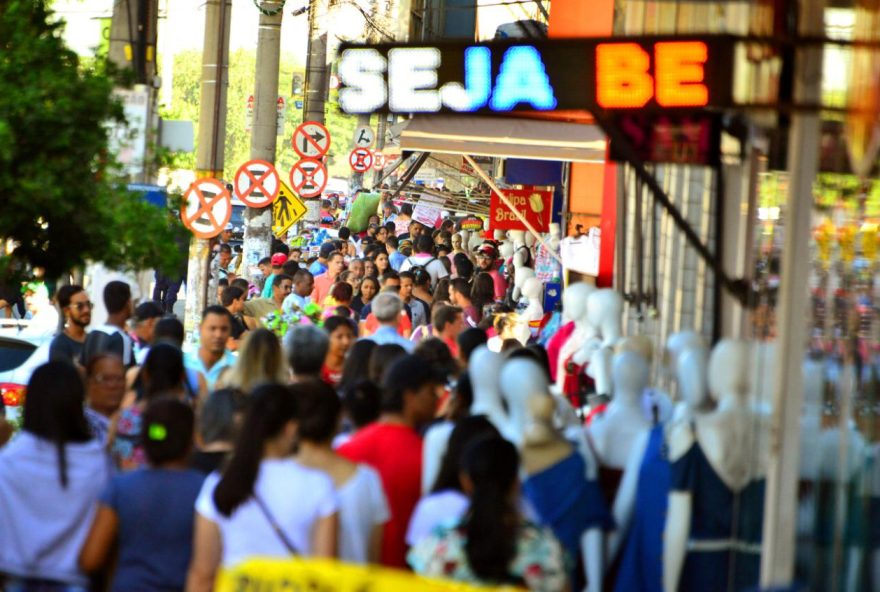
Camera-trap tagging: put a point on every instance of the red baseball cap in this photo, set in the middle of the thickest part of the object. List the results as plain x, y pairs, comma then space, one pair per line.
278, 259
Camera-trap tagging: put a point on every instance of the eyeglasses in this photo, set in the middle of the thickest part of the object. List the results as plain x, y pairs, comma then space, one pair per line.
82, 305
109, 378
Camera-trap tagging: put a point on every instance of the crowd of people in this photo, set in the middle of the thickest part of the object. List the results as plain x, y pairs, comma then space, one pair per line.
293, 427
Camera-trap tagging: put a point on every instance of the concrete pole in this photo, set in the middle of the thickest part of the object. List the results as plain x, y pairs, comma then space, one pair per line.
211, 147
264, 132
356, 180
780, 507
316, 84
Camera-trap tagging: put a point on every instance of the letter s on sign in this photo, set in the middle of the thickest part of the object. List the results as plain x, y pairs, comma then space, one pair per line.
360, 70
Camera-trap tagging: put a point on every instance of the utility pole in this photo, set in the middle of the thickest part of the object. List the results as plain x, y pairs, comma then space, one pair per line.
316, 83
211, 146
264, 132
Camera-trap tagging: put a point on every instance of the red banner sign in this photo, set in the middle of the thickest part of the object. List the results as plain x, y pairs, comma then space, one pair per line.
535, 206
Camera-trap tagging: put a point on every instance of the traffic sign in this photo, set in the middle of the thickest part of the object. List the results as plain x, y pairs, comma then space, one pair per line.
311, 140
360, 159
207, 208
308, 177
256, 183
364, 137
286, 210
380, 160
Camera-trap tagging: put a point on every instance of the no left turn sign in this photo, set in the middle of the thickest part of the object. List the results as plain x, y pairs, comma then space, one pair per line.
256, 183
208, 208
360, 159
311, 140
308, 177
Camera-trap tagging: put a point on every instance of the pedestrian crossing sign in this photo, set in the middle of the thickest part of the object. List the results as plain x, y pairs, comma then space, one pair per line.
286, 210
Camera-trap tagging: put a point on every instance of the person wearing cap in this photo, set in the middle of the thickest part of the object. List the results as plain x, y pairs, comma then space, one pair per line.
319, 267
387, 307
226, 234
393, 447
144, 322
389, 211
487, 258
277, 261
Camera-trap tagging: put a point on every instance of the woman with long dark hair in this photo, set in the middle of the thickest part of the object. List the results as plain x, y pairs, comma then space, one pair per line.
265, 504
51, 475
493, 544
342, 333
369, 289
482, 293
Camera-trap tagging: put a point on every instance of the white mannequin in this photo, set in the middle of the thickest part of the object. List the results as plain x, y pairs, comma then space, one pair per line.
505, 250
484, 371
530, 240
474, 241
614, 432
574, 308
734, 439
520, 378
690, 370
523, 274
544, 447
499, 235
604, 315
554, 236
533, 290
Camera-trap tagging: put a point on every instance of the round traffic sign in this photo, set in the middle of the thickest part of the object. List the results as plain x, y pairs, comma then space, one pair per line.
380, 161
311, 140
256, 183
360, 159
308, 177
208, 207
364, 137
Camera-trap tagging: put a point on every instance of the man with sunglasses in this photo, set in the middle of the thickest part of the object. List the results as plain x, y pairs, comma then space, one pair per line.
77, 310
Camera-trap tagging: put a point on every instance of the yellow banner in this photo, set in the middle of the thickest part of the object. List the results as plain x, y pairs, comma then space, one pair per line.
325, 575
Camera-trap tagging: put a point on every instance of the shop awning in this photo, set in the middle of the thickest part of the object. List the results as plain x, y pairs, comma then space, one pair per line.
504, 137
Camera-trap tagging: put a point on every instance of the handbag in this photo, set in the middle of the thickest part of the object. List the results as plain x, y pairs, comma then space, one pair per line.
288, 544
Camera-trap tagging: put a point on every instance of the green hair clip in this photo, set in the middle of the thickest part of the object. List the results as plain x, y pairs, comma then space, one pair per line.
157, 432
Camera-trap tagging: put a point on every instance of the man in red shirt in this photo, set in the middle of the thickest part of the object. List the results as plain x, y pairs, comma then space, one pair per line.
325, 281
448, 323
394, 448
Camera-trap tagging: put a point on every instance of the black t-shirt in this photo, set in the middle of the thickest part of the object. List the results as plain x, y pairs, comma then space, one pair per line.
65, 348
238, 327
207, 462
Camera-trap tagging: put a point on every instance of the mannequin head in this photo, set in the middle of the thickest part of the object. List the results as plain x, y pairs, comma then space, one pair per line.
677, 343
499, 235
729, 375
530, 240
574, 301
517, 237
520, 379
629, 375
532, 289
523, 274
690, 370
505, 250
640, 344
604, 312
484, 371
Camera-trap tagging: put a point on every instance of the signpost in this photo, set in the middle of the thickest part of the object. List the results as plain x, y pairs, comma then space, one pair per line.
208, 207
311, 140
360, 159
256, 183
287, 210
308, 177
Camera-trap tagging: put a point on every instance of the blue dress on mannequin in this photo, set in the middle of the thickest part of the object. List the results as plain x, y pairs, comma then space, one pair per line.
724, 547
641, 565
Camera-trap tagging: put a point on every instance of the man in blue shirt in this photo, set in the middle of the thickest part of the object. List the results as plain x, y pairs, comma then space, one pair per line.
395, 257
387, 307
320, 266
212, 357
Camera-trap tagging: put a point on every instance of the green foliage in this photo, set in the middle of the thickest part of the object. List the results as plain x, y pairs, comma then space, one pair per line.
64, 198
242, 71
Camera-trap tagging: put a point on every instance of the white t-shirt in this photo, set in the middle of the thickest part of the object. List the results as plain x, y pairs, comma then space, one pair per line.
435, 268
435, 510
362, 506
296, 496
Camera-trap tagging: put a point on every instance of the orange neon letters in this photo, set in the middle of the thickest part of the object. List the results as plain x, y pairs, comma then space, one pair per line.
623, 80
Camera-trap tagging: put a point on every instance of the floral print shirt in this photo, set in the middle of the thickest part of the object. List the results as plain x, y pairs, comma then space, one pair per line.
539, 561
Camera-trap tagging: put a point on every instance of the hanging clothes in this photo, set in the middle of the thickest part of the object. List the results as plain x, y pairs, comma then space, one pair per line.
641, 565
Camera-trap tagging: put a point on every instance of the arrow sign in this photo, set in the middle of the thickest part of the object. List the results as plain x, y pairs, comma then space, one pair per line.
286, 210
256, 183
360, 159
364, 137
311, 140
208, 208
308, 177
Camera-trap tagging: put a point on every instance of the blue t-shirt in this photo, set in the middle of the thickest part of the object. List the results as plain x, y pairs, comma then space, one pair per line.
317, 268
155, 510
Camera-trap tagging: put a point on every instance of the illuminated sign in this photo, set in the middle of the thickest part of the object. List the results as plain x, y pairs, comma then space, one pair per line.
540, 75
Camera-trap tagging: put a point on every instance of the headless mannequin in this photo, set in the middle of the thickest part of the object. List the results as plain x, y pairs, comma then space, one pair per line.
523, 274
734, 439
533, 289
485, 374
555, 235
604, 313
543, 447
574, 308
690, 370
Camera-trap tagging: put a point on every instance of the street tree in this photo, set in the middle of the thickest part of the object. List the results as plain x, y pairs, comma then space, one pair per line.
64, 201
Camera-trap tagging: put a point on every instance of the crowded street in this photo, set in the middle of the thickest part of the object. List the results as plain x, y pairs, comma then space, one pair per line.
558, 296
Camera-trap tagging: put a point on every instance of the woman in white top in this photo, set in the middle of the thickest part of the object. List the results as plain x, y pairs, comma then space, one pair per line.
265, 504
363, 509
447, 501
50, 478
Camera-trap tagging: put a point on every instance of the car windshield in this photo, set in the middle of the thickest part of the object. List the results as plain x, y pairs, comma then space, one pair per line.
14, 353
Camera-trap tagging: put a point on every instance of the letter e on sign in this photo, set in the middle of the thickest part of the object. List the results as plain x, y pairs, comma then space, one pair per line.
680, 73
622, 78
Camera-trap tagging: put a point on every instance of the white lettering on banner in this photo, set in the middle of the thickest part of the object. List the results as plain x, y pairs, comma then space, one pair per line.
412, 73
362, 71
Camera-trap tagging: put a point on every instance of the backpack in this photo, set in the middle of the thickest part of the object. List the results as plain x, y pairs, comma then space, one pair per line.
423, 267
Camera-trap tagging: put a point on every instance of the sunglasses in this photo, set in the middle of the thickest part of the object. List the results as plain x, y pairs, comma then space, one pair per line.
82, 305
